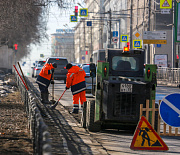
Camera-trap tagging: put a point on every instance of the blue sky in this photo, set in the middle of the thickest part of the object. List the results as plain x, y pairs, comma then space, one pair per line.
56, 21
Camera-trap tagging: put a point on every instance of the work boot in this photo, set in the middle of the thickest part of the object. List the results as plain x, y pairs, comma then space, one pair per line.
75, 111
44, 97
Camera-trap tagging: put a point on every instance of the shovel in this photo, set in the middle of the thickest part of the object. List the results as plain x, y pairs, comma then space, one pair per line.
53, 101
54, 106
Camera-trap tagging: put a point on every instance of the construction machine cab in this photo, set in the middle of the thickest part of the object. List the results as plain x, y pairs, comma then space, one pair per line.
122, 85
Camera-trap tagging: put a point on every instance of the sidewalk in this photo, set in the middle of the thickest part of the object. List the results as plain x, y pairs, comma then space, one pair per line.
165, 83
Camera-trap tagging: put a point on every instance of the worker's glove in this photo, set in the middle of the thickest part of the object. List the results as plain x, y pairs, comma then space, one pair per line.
52, 82
66, 88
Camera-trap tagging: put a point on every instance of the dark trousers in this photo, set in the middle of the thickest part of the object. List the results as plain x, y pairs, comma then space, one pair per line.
43, 89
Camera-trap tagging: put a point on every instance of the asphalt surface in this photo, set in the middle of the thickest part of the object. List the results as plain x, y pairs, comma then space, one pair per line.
77, 140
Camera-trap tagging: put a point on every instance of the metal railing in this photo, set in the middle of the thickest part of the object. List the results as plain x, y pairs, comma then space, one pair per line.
170, 75
38, 129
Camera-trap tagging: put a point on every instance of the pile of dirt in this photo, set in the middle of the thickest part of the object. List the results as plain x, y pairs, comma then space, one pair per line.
14, 133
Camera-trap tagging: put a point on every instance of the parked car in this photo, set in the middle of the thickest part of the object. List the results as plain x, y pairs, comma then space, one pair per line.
76, 64
38, 68
84, 64
60, 72
35, 65
88, 79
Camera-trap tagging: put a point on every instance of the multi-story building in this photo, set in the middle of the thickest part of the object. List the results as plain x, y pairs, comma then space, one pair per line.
89, 38
127, 17
62, 44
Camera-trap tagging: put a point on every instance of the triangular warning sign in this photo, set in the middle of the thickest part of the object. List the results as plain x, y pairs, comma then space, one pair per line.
83, 13
124, 38
165, 4
146, 138
137, 44
73, 18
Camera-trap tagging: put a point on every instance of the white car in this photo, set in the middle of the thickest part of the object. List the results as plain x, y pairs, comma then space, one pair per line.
38, 68
88, 79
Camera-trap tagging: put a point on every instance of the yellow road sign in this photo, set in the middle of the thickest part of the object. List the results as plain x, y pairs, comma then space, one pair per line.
137, 43
165, 4
145, 41
83, 12
146, 138
73, 18
137, 34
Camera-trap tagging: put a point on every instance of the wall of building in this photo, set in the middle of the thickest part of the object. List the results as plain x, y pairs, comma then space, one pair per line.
62, 44
7, 61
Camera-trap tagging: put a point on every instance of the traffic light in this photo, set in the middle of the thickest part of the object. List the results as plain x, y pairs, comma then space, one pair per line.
76, 11
148, 73
126, 49
16, 46
128, 45
92, 70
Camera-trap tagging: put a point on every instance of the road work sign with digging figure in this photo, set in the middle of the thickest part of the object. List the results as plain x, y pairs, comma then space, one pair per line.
146, 138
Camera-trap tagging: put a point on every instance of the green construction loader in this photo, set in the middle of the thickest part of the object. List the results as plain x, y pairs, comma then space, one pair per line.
122, 84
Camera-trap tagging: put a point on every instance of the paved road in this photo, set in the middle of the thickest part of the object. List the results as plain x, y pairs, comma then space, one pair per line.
108, 141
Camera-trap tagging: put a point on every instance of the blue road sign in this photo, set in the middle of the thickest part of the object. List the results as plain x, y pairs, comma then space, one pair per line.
124, 38
73, 18
136, 43
89, 23
115, 33
170, 109
83, 12
83, 57
158, 45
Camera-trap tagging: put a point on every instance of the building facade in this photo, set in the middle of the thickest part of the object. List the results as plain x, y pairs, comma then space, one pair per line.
62, 44
127, 17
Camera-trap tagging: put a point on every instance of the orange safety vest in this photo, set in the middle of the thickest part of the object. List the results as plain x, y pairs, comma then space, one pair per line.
76, 79
46, 71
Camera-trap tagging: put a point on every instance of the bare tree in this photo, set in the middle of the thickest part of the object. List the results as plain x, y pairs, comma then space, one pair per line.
25, 21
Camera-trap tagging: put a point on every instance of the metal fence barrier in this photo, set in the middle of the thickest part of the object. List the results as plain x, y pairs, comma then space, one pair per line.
38, 129
170, 75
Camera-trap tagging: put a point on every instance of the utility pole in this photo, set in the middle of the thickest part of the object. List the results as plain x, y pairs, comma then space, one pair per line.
110, 28
173, 35
119, 33
131, 23
149, 28
91, 46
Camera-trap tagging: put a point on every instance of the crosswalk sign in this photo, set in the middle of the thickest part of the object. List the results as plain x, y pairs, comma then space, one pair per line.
146, 138
73, 18
124, 38
137, 43
165, 4
83, 12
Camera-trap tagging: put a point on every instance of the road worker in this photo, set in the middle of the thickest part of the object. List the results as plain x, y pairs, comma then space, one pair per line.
76, 80
44, 79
